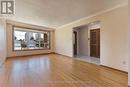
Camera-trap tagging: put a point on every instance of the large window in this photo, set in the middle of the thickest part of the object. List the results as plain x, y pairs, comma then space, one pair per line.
29, 39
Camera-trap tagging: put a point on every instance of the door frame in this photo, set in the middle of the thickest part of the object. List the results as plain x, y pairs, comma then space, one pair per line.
73, 41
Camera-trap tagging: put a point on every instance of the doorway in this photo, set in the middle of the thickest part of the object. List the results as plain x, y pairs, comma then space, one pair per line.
75, 43
95, 43
86, 42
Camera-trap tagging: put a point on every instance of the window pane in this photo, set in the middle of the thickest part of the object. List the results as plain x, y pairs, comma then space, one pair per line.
31, 39
19, 40
25, 39
41, 41
44, 40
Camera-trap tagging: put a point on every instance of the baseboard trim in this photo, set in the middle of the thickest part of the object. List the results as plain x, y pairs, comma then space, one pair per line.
63, 55
31, 55
100, 65
114, 69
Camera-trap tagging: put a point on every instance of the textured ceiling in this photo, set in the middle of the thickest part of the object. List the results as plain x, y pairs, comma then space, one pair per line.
55, 13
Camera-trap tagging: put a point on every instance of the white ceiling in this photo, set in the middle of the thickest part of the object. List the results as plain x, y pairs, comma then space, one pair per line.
55, 13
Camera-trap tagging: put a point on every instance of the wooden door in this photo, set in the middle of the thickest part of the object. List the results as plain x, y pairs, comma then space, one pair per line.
95, 43
75, 42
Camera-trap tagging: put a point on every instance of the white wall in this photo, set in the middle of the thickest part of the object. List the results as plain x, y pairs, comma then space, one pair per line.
2, 41
83, 41
114, 37
64, 42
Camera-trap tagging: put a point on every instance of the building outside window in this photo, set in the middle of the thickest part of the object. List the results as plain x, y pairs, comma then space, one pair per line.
29, 39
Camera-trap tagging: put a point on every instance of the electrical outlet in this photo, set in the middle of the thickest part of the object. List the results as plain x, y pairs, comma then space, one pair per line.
124, 62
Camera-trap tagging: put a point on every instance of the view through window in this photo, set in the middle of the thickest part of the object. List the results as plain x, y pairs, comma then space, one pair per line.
25, 39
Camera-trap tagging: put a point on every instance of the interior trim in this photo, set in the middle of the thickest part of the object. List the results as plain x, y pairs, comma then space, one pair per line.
93, 15
32, 55
99, 65
114, 69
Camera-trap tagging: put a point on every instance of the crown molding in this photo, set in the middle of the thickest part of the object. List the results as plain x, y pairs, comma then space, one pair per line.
17, 23
93, 15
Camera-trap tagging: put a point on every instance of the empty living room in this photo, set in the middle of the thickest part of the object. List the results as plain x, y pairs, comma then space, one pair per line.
64, 43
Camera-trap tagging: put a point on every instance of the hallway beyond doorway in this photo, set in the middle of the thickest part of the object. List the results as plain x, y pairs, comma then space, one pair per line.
89, 59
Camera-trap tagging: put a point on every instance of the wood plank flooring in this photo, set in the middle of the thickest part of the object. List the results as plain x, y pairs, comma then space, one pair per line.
58, 71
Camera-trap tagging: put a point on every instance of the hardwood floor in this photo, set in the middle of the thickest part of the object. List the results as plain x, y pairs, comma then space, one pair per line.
58, 71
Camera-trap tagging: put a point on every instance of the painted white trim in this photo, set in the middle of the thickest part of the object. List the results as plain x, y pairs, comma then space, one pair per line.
93, 15
13, 22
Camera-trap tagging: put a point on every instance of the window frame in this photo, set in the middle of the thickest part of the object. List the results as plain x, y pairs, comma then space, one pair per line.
27, 28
